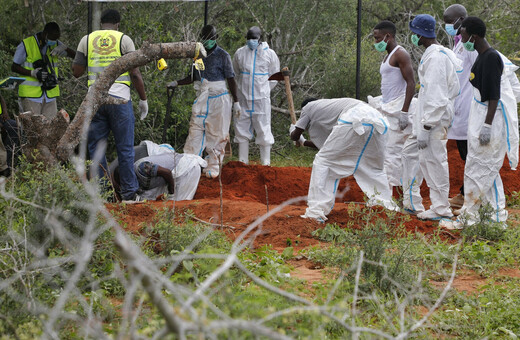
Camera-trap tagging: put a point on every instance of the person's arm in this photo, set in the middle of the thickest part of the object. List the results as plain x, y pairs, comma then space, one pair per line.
79, 65
233, 88
405, 65
297, 132
491, 110
5, 116
20, 70
434, 97
137, 81
168, 178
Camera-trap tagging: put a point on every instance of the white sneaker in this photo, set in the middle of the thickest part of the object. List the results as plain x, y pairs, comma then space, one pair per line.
451, 225
211, 174
137, 199
431, 215
457, 201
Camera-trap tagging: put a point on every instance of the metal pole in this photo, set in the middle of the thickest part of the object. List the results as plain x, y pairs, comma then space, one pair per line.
89, 24
358, 52
205, 12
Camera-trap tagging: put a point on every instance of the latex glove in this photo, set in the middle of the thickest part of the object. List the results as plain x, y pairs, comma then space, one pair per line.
42, 75
34, 73
485, 134
300, 142
60, 50
403, 120
237, 110
423, 138
172, 84
292, 128
170, 197
143, 108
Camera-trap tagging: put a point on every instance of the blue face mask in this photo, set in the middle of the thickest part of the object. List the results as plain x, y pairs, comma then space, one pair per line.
51, 42
252, 43
450, 29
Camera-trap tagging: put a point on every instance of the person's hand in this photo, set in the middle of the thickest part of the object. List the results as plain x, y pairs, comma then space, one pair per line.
300, 142
237, 110
485, 134
34, 73
423, 137
143, 108
403, 120
60, 51
172, 84
42, 75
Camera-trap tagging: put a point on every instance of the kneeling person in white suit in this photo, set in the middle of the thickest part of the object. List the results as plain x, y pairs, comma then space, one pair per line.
355, 147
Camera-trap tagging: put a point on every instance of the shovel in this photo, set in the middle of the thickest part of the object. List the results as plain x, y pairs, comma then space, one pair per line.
284, 75
169, 93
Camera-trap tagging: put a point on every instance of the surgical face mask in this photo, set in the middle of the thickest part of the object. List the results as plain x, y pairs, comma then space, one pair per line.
252, 43
415, 39
450, 28
51, 42
381, 46
209, 44
468, 45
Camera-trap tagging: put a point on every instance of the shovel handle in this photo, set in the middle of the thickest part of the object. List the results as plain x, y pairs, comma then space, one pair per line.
288, 92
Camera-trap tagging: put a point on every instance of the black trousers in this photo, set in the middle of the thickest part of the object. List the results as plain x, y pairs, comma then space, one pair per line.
462, 146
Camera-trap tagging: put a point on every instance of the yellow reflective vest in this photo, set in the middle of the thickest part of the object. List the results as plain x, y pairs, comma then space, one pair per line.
31, 87
104, 46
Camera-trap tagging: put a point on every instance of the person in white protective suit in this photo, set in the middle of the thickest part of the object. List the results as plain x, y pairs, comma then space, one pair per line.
439, 87
160, 170
492, 127
397, 105
318, 117
253, 65
356, 146
211, 111
453, 17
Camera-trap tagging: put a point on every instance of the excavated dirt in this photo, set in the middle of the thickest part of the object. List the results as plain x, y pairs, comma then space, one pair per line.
249, 191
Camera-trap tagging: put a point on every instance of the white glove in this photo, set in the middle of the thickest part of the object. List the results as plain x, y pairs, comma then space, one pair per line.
34, 73
423, 138
170, 197
60, 50
237, 110
300, 142
485, 134
143, 108
172, 84
403, 120
292, 128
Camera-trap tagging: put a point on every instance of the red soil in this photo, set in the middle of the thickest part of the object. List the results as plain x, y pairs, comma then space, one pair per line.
245, 199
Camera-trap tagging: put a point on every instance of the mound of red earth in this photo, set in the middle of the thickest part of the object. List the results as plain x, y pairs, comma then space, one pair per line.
250, 191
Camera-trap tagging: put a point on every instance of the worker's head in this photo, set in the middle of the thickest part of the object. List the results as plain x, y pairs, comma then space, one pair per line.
307, 101
423, 27
110, 17
145, 172
253, 37
51, 33
208, 36
453, 17
472, 31
383, 33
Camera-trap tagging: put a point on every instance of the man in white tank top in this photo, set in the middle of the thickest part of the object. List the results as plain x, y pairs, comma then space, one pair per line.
397, 89
454, 15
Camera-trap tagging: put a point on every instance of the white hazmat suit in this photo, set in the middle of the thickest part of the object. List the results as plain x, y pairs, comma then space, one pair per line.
356, 146
252, 70
209, 123
482, 182
439, 87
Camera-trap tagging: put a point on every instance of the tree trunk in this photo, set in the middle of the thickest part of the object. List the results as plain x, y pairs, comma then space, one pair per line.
98, 93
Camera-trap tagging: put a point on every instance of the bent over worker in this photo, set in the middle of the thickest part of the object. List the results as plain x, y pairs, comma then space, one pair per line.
253, 64
211, 111
96, 52
354, 147
492, 127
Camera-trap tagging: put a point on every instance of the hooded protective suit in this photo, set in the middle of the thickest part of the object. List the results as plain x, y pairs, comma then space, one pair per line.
439, 87
209, 123
482, 182
252, 69
356, 146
